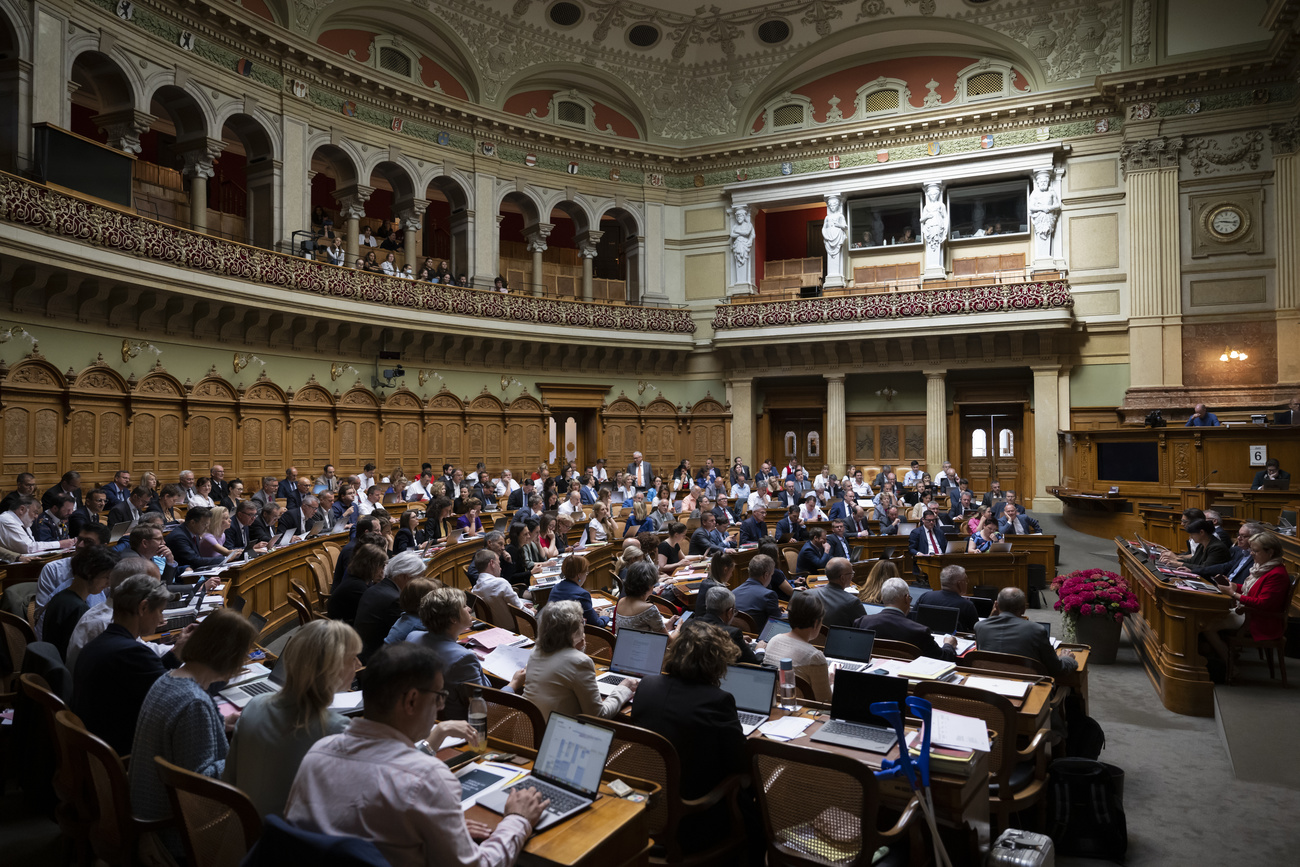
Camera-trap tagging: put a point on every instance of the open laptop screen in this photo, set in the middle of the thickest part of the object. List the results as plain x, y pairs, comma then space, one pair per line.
845, 642
639, 653
983, 605
773, 628
753, 688
573, 753
939, 619
856, 691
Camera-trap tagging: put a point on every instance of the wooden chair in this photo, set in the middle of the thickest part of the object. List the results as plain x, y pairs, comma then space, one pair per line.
791, 560
525, 623
645, 755
296, 588
321, 573
513, 719
218, 822
1017, 777
804, 793
18, 633
895, 649
483, 611
31, 613
103, 789
73, 822
600, 642
745, 622
804, 688
1012, 663
1266, 648
300, 608
665, 606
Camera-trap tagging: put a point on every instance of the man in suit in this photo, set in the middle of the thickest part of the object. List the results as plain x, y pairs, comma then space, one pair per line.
220, 487
1216, 521
1272, 473
71, 484
268, 492
802, 484
1013, 523
1009, 497
184, 540
842, 606
753, 597
959, 508
118, 490
1291, 415
952, 594
726, 515
845, 507
926, 539
754, 528
129, 509
708, 536
893, 624
658, 520
531, 509
839, 539
587, 493
261, 530
791, 525
891, 523
448, 479
720, 609
739, 468
640, 470
1007, 631
92, 510
764, 473
815, 553
993, 495
1240, 559
519, 497
789, 496
300, 520
238, 534
146, 542
52, 525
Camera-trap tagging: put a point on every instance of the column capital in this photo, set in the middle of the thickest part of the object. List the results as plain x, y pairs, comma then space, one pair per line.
124, 128
1285, 137
833, 377
1161, 152
587, 242
412, 212
536, 236
352, 200
1045, 369
935, 374
199, 155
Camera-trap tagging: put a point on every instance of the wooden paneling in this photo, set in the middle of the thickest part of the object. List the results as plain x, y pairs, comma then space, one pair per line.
96, 422
979, 265
876, 439
883, 275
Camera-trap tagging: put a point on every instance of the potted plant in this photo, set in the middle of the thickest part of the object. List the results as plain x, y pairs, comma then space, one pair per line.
1094, 602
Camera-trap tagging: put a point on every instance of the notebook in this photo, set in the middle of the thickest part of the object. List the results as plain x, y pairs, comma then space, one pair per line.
852, 723
119, 530
848, 648
754, 690
636, 655
567, 770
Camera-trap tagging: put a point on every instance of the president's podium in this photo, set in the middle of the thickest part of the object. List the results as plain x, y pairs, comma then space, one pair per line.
1010, 569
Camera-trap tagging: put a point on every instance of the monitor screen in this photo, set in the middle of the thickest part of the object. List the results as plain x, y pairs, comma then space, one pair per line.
1128, 462
856, 691
845, 642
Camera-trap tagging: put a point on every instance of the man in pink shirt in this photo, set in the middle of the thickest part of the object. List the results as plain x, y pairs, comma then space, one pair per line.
379, 780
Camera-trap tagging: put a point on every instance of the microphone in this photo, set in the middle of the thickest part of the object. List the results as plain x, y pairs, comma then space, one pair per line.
1206, 479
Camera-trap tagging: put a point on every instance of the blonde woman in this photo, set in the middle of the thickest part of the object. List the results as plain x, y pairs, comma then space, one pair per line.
880, 573
210, 543
602, 527
276, 730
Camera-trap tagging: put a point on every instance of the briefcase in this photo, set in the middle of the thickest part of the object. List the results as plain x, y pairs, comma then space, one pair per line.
1023, 849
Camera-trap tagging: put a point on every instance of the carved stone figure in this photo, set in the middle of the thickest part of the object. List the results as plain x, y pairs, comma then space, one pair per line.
934, 229
1044, 212
742, 239
834, 234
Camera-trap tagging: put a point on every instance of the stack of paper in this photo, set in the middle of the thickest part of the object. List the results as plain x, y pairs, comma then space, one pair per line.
926, 668
1009, 688
786, 728
505, 660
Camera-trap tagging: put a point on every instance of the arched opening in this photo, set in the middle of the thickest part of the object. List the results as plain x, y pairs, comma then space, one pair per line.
176, 163
10, 98
243, 186
337, 204
523, 240
103, 103
390, 206
620, 258
447, 234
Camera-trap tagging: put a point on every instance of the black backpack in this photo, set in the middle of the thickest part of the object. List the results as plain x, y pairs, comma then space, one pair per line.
1085, 809
1084, 738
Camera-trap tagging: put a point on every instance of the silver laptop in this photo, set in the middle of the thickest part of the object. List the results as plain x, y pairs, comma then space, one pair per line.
120, 529
241, 695
636, 655
754, 690
567, 771
849, 649
852, 724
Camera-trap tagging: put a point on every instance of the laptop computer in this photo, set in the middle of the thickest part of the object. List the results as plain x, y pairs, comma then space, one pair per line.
636, 655
241, 695
773, 628
1000, 548
917, 593
754, 690
939, 619
956, 548
852, 723
983, 605
120, 529
849, 649
567, 771
905, 529
392, 497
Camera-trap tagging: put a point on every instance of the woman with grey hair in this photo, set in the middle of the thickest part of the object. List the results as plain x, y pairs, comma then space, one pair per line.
561, 677
635, 610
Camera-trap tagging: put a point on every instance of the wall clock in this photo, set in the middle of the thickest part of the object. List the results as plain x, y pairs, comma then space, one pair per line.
1227, 222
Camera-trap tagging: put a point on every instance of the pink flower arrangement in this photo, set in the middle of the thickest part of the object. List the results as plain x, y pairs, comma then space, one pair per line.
1094, 593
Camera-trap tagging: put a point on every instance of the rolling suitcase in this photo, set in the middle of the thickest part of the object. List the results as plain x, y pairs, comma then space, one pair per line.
1022, 849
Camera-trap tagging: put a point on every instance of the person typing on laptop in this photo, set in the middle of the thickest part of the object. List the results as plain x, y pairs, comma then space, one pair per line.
376, 782
805, 612
561, 676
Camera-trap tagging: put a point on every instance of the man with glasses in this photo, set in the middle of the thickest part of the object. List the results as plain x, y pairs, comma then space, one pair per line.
380, 781
57, 576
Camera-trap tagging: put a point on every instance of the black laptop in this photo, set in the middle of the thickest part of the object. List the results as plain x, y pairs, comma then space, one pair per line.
852, 723
849, 648
939, 619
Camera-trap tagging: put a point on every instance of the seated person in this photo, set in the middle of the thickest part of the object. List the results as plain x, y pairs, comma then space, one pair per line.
880, 573
90, 574
1012, 522
893, 624
378, 608
185, 541
574, 572
635, 610
805, 613
1007, 631
179, 721
721, 568
719, 609
1271, 473
986, 533
409, 601
365, 567
1262, 599
754, 597
708, 537
561, 676
445, 614
815, 553
687, 707
276, 730
952, 594
495, 590
838, 595
890, 523
372, 781
1202, 417
1209, 548
791, 526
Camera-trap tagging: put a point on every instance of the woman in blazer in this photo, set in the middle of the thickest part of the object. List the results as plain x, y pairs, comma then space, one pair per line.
560, 675
1262, 599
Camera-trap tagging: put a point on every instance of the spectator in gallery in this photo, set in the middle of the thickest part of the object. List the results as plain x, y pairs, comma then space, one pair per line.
1202, 417
366, 239
500, 285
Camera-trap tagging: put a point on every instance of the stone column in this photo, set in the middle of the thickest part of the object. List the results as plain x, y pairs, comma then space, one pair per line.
412, 213
1047, 451
742, 419
536, 236
124, 128
936, 420
837, 424
352, 207
462, 244
1155, 326
587, 250
1286, 182
199, 156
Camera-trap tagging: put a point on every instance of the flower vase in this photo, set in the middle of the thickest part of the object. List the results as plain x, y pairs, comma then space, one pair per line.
1101, 634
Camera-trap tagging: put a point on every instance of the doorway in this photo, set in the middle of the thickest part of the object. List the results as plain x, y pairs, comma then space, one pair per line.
573, 434
798, 434
992, 446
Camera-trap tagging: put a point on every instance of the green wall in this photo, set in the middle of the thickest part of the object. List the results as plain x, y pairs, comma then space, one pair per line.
860, 392
1098, 384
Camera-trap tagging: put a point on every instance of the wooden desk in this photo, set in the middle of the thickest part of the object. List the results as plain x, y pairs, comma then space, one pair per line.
999, 570
263, 582
1165, 630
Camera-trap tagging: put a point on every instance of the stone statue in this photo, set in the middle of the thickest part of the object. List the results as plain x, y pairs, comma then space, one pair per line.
1044, 212
742, 240
834, 234
934, 229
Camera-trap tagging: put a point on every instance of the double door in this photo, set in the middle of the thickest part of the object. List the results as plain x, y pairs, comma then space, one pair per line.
798, 434
992, 447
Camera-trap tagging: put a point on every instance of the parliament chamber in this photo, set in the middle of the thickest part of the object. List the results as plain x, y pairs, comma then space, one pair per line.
303, 303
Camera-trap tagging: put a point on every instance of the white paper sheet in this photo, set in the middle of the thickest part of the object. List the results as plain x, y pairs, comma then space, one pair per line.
785, 728
1009, 688
958, 732
346, 701
506, 660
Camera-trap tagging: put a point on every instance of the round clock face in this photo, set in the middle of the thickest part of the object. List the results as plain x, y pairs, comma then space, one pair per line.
1226, 222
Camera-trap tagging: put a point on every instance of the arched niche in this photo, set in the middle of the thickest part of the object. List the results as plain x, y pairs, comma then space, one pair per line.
357, 434
444, 422
32, 418
263, 411
311, 425
211, 424
402, 418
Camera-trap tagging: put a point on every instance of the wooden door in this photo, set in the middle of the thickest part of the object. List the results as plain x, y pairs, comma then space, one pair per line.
574, 437
798, 434
992, 447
